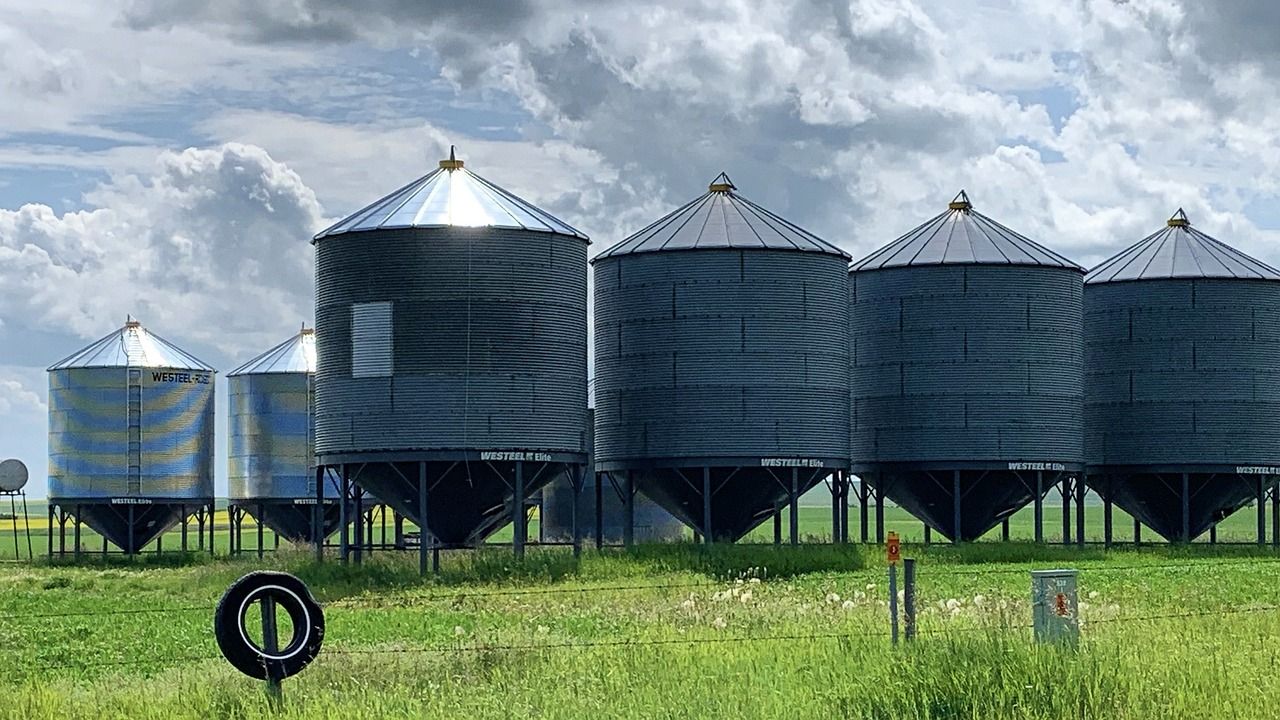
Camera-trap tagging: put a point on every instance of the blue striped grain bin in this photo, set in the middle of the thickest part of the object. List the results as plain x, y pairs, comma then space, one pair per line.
1182, 352
271, 461
721, 336
131, 430
967, 370
451, 335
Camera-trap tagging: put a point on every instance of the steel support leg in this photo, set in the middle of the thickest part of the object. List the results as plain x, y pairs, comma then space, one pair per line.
261, 531
928, 534
956, 532
879, 489
835, 508
1039, 506
795, 506
1106, 515
576, 477
1275, 514
344, 520
1262, 510
706, 506
1066, 509
1186, 508
1081, 490
183, 511
423, 535
629, 511
518, 513
1137, 532
864, 497
777, 523
75, 531
600, 511
317, 516
1004, 530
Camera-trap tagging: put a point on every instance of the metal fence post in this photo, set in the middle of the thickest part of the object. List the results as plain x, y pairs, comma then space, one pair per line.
909, 597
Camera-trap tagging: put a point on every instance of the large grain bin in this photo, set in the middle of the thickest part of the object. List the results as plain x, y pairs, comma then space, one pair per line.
451, 337
131, 436
271, 463
967, 370
1182, 354
649, 522
721, 337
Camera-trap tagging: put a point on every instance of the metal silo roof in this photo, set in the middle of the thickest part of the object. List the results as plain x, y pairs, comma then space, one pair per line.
722, 219
132, 346
962, 236
451, 196
1180, 251
295, 355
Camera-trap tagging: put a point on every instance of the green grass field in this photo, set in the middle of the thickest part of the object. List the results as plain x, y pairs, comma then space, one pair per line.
669, 631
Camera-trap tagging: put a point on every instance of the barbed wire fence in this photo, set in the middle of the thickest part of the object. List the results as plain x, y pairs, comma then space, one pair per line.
399, 602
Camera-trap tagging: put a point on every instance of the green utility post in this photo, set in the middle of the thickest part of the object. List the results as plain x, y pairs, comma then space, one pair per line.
1056, 614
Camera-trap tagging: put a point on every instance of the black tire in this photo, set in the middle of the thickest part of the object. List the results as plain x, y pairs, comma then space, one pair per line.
292, 598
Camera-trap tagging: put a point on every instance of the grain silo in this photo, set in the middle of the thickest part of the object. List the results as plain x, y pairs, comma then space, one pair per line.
131, 438
451, 337
648, 521
271, 471
1182, 354
721, 337
967, 371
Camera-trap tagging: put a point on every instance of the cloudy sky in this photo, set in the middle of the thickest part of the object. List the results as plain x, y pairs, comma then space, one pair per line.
171, 158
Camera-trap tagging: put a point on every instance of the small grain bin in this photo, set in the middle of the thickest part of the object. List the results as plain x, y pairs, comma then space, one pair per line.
271, 460
967, 371
451, 338
1182, 353
131, 437
721, 337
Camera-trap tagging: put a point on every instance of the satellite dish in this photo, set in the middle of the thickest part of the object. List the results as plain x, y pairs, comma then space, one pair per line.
13, 475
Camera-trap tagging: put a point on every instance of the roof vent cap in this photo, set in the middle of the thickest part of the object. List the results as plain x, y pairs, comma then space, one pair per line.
1179, 219
722, 184
960, 202
453, 163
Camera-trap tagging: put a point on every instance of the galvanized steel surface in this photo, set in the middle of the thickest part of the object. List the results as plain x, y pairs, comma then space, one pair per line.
721, 219
962, 236
94, 453
967, 363
1183, 372
451, 197
295, 355
132, 346
1180, 251
488, 348
270, 446
721, 353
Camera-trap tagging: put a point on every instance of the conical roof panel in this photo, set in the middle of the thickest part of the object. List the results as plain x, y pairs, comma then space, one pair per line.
721, 219
132, 346
962, 236
451, 196
295, 355
1180, 251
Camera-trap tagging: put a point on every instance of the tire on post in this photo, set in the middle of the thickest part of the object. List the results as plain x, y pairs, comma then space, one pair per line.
290, 596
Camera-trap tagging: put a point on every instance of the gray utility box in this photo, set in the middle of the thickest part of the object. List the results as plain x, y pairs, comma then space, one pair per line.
1054, 607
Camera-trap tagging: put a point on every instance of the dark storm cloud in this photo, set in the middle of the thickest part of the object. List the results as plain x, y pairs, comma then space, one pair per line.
1237, 31
328, 21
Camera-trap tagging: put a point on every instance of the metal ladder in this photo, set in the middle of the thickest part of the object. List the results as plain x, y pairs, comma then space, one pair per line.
135, 431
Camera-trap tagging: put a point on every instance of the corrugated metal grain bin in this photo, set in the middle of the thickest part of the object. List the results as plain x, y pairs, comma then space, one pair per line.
271, 460
1182, 352
721, 337
451, 326
131, 435
967, 370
